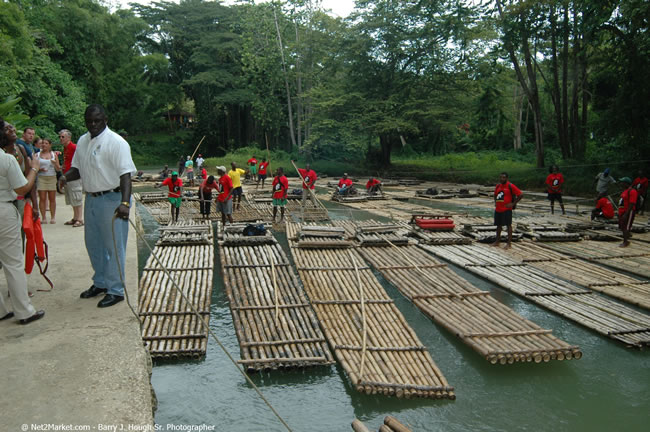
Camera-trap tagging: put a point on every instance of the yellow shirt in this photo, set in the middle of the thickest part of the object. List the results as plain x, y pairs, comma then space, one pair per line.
234, 175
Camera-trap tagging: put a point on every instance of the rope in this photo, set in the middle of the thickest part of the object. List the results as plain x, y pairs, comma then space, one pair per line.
196, 312
364, 329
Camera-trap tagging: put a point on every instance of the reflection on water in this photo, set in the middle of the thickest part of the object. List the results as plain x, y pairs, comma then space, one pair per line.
607, 390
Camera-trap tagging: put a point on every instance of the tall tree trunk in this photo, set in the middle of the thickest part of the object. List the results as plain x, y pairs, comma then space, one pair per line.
299, 87
565, 80
530, 88
386, 147
555, 92
286, 81
518, 108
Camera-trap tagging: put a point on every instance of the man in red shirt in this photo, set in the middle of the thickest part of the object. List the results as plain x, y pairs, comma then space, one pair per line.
224, 199
73, 189
261, 172
554, 183
308, 177
641, 185
280, 187
205, 195
345, 185
506, 197
604, 208
373, 186
626, 210
175, 186
252, 163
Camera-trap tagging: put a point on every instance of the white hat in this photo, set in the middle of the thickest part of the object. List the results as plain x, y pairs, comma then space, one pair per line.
221, 168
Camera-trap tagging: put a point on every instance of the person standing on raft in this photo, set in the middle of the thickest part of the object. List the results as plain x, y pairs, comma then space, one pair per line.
205, 195
554, 183
235, 176
252, 164
224, 199
261, 174
506, 197
280, 188
175, 186
626, 210
309, 178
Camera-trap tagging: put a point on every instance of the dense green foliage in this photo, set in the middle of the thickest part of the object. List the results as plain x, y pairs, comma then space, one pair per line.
545, 80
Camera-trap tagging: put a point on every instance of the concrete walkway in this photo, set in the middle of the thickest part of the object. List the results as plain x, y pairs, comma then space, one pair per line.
80, 364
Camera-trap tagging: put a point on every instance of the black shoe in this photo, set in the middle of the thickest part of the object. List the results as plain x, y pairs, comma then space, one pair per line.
9, 315
109, 300
38, 315
92, 292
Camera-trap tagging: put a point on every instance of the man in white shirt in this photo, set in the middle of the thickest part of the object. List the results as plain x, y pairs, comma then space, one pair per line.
103, 162
13, 183
199, 163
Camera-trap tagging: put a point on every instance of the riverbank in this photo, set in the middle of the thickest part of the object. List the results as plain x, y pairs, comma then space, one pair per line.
80, 364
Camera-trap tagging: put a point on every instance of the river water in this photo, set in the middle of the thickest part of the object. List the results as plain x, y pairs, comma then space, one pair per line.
607, 390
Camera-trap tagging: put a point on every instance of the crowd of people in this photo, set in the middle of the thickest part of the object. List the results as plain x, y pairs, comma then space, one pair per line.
95, 176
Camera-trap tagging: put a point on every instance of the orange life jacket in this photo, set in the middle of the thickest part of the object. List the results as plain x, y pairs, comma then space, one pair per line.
35, 246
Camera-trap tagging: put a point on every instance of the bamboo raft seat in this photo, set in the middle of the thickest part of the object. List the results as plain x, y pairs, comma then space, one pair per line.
587, 274
273, 319
293, 208
170, 328
582, 306
634, 259
423, 195
486, 325
376, 347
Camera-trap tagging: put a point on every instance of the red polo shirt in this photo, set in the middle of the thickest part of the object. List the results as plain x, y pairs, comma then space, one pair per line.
262, 168
309, 176
174, 187
503, 196
606, 206
554, 183
628, 199
372, 182
641, 185
225, 186
280, 186
68, 154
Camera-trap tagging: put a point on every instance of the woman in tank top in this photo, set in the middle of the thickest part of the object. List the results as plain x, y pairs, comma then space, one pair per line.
47, 180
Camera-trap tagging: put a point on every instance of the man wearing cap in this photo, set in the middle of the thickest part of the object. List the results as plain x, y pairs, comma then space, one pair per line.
174, 195
603, 180
103, 163
224, 199
626, 210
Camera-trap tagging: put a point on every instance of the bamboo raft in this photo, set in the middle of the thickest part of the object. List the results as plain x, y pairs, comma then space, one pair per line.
391, 424
377, 348
487, 326
546, 232
273, 319
293, 208
170, 328
633, 259
583, 273
585, 307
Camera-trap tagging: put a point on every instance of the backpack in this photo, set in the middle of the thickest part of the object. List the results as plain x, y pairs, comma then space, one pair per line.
254, 230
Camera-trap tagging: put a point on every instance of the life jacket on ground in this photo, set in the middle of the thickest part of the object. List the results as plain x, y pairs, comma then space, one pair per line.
36, 250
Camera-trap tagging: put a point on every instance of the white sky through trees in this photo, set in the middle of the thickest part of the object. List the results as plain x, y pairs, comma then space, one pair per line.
340, 8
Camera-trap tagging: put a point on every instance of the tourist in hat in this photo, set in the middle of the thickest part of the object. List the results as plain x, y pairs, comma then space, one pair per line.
603, 180
626, 210
224, 199
175, 185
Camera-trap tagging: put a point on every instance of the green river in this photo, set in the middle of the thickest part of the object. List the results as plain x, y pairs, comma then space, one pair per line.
607, 390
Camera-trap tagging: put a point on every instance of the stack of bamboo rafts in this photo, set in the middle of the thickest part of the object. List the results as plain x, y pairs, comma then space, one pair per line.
436, 236
170, 326
487, 233
546, 232
273, 319
634, 258
585, 307
371, 339
587, 274
391, 424
486, 325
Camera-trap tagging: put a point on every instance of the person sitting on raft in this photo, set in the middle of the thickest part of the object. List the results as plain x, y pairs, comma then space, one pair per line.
373, 186
164, 173
345, 185
604, 209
